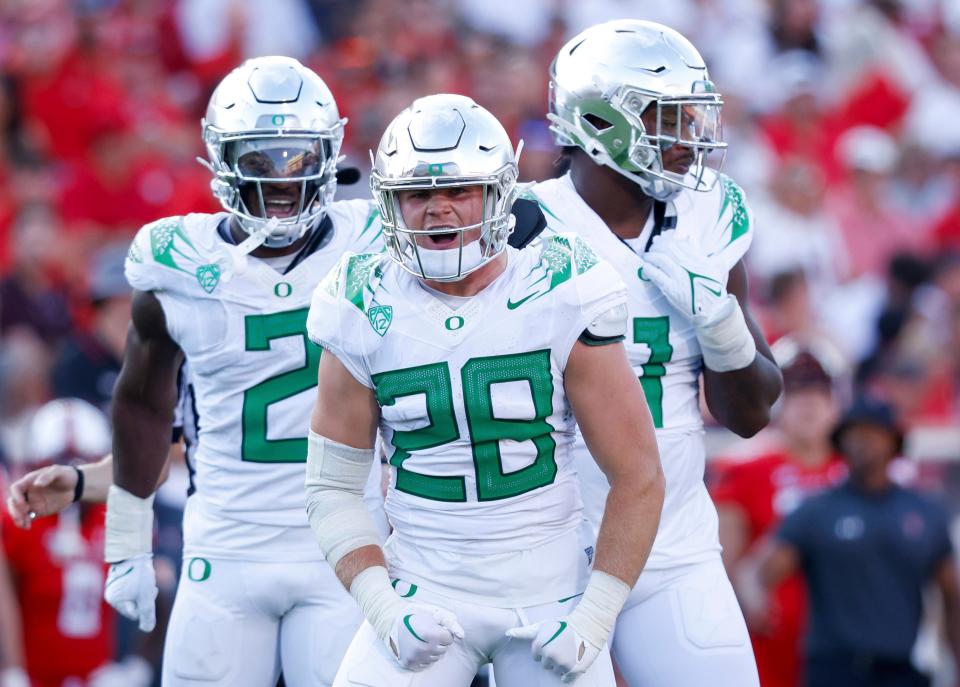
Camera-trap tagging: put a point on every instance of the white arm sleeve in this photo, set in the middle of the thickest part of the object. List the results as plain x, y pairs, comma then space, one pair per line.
336, 476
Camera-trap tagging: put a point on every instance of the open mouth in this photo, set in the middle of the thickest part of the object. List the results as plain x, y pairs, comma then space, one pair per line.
443, 240
281, 207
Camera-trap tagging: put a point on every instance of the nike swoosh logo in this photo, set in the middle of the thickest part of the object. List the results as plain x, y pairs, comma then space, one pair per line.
123, 574
513, 306
563, 626
406, 621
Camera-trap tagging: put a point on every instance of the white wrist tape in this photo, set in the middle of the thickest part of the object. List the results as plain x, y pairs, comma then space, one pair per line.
596, 614
726, 341
129, 525
336, 475
377, 600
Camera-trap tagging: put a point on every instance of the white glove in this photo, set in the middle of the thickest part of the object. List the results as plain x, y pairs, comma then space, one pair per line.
421, 634
693, 282
416, 634
131, 588
559, 647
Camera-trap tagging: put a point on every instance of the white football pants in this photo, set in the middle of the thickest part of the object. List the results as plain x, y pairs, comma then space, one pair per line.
237, 623
683, 627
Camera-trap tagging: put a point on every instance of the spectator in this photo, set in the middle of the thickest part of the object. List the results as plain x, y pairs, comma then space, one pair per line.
57, 565
90, 362
873, 230
30, 294
867, 549
753, 496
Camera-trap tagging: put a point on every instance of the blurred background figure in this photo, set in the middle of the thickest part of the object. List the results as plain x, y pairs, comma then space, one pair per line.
56, 567
755, 494
89, 361
867, 549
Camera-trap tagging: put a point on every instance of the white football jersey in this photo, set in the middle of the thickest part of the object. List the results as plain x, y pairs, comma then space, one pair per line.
483, 496
663, 350
242, 326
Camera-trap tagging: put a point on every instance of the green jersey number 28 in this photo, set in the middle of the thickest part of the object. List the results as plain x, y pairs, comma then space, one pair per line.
478, 375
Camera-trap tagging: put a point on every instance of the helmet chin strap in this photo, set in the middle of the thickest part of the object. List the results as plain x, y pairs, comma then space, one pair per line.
233, 260
258, 237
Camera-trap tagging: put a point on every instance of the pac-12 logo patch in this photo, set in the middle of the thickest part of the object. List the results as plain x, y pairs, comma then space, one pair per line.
380, 317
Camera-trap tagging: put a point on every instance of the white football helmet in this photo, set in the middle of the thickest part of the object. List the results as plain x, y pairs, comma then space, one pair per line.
67, 431
445, 141
605, 78
273, 121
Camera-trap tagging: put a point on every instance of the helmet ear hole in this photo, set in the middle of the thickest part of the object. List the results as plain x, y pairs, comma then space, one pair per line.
596, 122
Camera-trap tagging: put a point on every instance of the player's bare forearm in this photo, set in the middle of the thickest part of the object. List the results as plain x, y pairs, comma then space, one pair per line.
144, 399
741, 400
357, 561
612, 412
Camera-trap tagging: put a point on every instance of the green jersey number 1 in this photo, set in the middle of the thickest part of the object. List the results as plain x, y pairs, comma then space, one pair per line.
478, 376
260, 331
655, 333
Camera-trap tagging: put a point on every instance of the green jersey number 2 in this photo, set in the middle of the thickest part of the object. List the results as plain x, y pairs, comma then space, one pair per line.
655, 333
260, 331
478, 376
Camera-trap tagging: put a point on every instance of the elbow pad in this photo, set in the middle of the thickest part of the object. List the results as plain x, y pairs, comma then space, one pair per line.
336, 475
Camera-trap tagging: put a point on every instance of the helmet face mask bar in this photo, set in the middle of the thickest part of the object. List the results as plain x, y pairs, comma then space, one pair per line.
304, 161
479, 154
626, 92
273, 122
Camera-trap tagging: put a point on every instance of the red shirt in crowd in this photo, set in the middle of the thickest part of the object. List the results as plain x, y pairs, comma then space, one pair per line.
766, 489
58, 571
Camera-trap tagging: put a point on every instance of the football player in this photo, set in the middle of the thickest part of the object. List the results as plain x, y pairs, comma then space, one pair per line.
230, 292
636, 113
472, 359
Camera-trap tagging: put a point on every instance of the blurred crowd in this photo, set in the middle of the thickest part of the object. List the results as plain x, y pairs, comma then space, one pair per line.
843, 119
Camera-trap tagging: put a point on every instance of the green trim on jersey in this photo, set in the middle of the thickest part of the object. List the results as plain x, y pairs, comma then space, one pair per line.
164, 244
733, 198
359, 275
563, 256
371, 218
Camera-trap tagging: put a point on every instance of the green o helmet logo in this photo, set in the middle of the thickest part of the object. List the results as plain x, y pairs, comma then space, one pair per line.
278, 119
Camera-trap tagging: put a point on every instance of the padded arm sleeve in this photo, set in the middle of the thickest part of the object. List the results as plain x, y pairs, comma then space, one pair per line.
336, 475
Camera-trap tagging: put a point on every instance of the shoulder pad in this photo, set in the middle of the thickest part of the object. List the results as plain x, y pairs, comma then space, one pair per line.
355, 278
734, 213
162, 250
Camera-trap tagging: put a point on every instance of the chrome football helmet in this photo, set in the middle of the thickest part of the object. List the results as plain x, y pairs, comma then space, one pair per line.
273, 121
604, 79
444, 141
